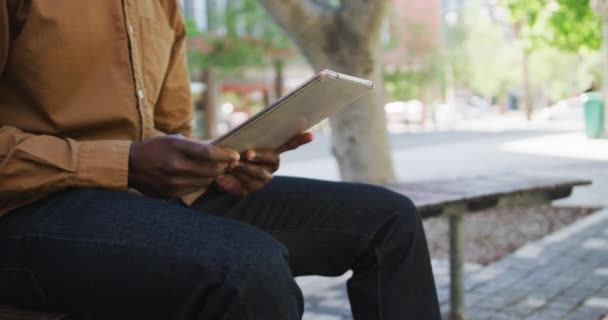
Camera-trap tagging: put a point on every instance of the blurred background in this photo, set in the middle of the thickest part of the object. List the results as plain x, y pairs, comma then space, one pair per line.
485, 66
465, 88
446, 64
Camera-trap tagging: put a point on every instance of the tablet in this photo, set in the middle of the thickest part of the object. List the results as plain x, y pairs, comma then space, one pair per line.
316, 99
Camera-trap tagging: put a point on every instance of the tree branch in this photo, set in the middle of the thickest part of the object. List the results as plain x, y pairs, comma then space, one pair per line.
306, 22
297, 17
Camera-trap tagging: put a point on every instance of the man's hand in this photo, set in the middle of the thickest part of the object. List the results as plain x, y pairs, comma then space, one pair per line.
173, 166
256, 167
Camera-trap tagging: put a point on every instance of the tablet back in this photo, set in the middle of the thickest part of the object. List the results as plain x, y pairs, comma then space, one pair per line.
318, 98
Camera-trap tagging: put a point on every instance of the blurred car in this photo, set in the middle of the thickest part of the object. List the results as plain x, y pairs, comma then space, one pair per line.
568, 109
405, 112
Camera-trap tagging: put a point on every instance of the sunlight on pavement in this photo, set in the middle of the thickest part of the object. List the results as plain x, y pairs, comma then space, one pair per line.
603, 272
529, 251
595, 244
598, 302
569, 145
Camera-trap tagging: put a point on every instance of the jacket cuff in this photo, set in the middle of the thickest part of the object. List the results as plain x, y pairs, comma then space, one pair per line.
104, 165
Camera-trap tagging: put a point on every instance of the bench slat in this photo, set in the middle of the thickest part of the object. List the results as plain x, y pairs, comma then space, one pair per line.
481, 192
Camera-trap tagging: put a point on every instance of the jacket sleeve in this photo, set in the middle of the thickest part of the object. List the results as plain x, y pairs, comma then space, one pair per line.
32, 166
173, 111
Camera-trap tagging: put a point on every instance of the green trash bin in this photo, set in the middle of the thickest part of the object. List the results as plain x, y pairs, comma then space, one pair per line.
594, 115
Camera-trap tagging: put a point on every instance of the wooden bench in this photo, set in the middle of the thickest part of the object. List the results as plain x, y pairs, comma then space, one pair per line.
451, 198
454, 198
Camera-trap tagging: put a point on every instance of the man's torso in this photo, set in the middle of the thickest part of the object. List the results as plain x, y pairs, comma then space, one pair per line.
86, 69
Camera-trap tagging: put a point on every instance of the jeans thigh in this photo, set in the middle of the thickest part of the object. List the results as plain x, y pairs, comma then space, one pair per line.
323, 224
95, 251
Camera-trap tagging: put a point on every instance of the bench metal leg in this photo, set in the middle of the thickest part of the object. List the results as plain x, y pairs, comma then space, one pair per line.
456, 267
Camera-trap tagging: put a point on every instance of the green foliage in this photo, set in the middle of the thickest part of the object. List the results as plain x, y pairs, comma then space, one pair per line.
483, 57
575, 26
240, 35
411, 84
569, 25
492, 56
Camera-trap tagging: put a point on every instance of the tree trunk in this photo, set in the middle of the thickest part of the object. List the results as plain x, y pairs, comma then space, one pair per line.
346, 40
359, 132
527, 91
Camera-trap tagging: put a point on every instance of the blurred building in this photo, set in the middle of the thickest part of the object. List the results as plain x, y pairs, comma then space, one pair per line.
413, 34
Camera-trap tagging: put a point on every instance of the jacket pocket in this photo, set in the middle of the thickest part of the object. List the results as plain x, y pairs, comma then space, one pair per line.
21, 288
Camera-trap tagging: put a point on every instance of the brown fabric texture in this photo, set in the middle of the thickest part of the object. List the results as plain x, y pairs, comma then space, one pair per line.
81, 80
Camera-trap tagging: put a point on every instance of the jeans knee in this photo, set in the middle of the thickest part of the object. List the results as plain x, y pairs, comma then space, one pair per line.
266, 283
253, 281
401, 211
395, 203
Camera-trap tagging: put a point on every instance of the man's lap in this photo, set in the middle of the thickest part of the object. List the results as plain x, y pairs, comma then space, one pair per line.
95, 239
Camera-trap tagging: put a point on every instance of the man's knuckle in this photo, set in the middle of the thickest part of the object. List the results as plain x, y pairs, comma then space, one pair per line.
173, 164
173, 183
206, 151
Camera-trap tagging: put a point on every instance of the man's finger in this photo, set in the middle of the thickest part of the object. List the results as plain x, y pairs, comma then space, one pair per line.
266, 157
254, 171
207, 152
296, 142
249, 183
197, 169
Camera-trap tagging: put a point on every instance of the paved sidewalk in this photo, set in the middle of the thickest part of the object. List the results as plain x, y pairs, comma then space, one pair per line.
562, 276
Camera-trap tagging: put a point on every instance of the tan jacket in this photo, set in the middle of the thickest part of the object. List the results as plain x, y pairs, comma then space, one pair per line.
80, 80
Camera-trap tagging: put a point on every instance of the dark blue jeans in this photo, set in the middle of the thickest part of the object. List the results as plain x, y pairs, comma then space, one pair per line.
108, 255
